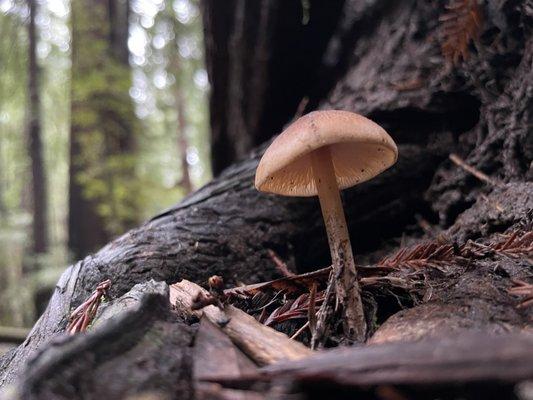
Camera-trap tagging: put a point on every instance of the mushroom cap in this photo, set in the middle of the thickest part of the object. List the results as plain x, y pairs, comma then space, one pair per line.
360, 149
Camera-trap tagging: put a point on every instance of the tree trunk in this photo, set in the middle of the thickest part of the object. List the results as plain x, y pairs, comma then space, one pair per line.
182, 142
384, 61
102, 200
38, 176
263, 59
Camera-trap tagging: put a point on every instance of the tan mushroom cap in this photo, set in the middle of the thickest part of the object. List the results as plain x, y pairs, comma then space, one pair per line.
360, 149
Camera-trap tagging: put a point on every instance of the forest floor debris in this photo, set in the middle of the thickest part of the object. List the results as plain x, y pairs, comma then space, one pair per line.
289, 304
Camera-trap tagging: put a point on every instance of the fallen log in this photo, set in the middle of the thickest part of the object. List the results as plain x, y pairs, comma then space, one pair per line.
226, 228
136, 346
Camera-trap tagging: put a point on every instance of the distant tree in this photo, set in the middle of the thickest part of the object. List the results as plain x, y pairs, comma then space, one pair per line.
181, 133
35, 146
103, 194
177, 70
2, 200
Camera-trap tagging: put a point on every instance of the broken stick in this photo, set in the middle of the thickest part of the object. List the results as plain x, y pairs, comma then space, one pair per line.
262, 344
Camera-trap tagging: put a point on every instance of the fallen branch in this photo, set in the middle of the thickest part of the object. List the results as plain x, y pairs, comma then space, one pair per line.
262, 344
475, 358
477, 173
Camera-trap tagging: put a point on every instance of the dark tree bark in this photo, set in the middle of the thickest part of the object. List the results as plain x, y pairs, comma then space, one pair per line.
38, 173
102, 144
383, 61
263, 59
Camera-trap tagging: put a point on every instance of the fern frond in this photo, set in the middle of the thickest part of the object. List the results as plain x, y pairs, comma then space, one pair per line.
460, 25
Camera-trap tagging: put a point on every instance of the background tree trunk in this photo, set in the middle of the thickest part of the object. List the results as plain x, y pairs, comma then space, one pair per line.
263, 59
382, 60
182, 142
3, 208
35, 147
102, 182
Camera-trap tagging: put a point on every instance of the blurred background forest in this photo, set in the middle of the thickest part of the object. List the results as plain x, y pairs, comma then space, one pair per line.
103, 122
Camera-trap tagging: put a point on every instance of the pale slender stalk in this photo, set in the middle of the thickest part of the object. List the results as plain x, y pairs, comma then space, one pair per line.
347, 286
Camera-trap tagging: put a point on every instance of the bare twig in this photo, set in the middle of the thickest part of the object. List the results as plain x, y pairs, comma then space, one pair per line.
299, 331
280, 265
312, 309
477, 173
301, 108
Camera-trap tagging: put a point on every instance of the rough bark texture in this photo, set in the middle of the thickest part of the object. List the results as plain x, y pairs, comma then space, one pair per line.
382, 60
133, 340
225, 229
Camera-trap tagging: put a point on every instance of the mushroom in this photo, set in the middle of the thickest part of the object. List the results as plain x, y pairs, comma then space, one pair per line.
320, 154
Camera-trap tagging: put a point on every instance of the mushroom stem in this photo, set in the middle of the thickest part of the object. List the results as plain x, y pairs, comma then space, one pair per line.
347, 286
